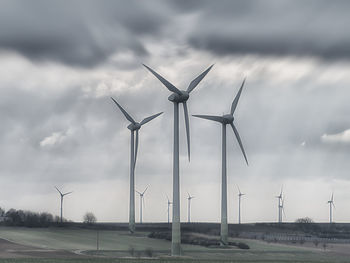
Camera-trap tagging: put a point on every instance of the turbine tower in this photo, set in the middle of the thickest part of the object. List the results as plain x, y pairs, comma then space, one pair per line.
280, 205
177, 97
224, 120
62, 195
169, 204
331, 206
142, 202
239, 205
189, 198
134, 128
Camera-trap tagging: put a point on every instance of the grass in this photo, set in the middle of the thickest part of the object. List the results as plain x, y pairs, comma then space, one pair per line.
115, 247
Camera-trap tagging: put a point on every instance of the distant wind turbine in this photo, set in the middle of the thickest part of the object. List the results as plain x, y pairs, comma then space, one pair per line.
189, 198
133, 127
224, 120
142, 202
280, 205
239, 204
62, 195
177, 97
169, 204
331, 206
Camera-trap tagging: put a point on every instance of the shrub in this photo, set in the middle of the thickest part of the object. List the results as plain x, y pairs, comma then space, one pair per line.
243, 245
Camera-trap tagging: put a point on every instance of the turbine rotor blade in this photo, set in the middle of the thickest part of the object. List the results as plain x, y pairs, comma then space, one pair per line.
127, 116
138, 192
239, 189
239, 141
145, 190
235, 101
210, 117
58, 190
136, 146
166, 83
145, 120
196, 81
187, 124
68, 193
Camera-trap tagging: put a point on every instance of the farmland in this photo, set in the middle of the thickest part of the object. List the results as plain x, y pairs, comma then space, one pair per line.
76, 244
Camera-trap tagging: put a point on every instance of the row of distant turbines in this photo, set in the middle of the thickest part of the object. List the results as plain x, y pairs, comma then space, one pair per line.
280, 205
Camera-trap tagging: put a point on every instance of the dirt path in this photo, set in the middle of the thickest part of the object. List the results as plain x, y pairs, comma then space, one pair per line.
9, 249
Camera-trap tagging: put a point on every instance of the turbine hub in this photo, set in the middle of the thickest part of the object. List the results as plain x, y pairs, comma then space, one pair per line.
179, 98
228, 118
134, 127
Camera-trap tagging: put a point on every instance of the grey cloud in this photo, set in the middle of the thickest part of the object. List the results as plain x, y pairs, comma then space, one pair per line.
84, 33
277, 28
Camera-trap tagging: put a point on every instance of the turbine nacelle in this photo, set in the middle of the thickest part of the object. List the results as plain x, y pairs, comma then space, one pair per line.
175, 97
227, 119
134, 126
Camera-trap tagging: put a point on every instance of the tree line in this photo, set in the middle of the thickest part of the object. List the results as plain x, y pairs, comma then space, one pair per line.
26, 218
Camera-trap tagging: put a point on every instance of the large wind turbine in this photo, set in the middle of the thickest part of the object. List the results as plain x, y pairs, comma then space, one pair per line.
224, 120
178, 96
239, 204
169, 204
331, 206
141, 202
133, 127
189, 199
62, 195
280, 205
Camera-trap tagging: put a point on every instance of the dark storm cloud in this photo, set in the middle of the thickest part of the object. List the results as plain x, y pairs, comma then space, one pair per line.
301, 28
86, 33
83, 33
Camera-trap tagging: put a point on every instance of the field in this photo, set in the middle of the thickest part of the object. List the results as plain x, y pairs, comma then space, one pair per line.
19, 244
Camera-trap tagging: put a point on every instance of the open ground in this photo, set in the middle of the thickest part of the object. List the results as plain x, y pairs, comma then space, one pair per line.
76, 244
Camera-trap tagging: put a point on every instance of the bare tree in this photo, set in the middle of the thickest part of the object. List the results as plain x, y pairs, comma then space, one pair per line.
89, 218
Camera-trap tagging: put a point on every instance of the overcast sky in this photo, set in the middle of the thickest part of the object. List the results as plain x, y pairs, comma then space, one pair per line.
61, 62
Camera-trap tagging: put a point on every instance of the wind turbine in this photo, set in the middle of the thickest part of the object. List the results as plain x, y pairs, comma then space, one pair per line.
224, 120
189, 198
280, 205
169, 204
239, 204
133, 127
62, 195
331, 206
177, 97
142, 202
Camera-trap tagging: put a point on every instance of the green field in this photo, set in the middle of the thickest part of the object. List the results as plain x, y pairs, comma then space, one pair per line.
117, 246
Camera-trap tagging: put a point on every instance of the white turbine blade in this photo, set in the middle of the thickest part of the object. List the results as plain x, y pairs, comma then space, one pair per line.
281, 191
136, 146
166, 83
58, 190
332, 197
68, 193
127, 116
333, 205
196, 81
188, 194
143, 201
235, 101
138, 192
284, 213
239, 141
145, 190
210, 117
239, 190
145, 120
187, 124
